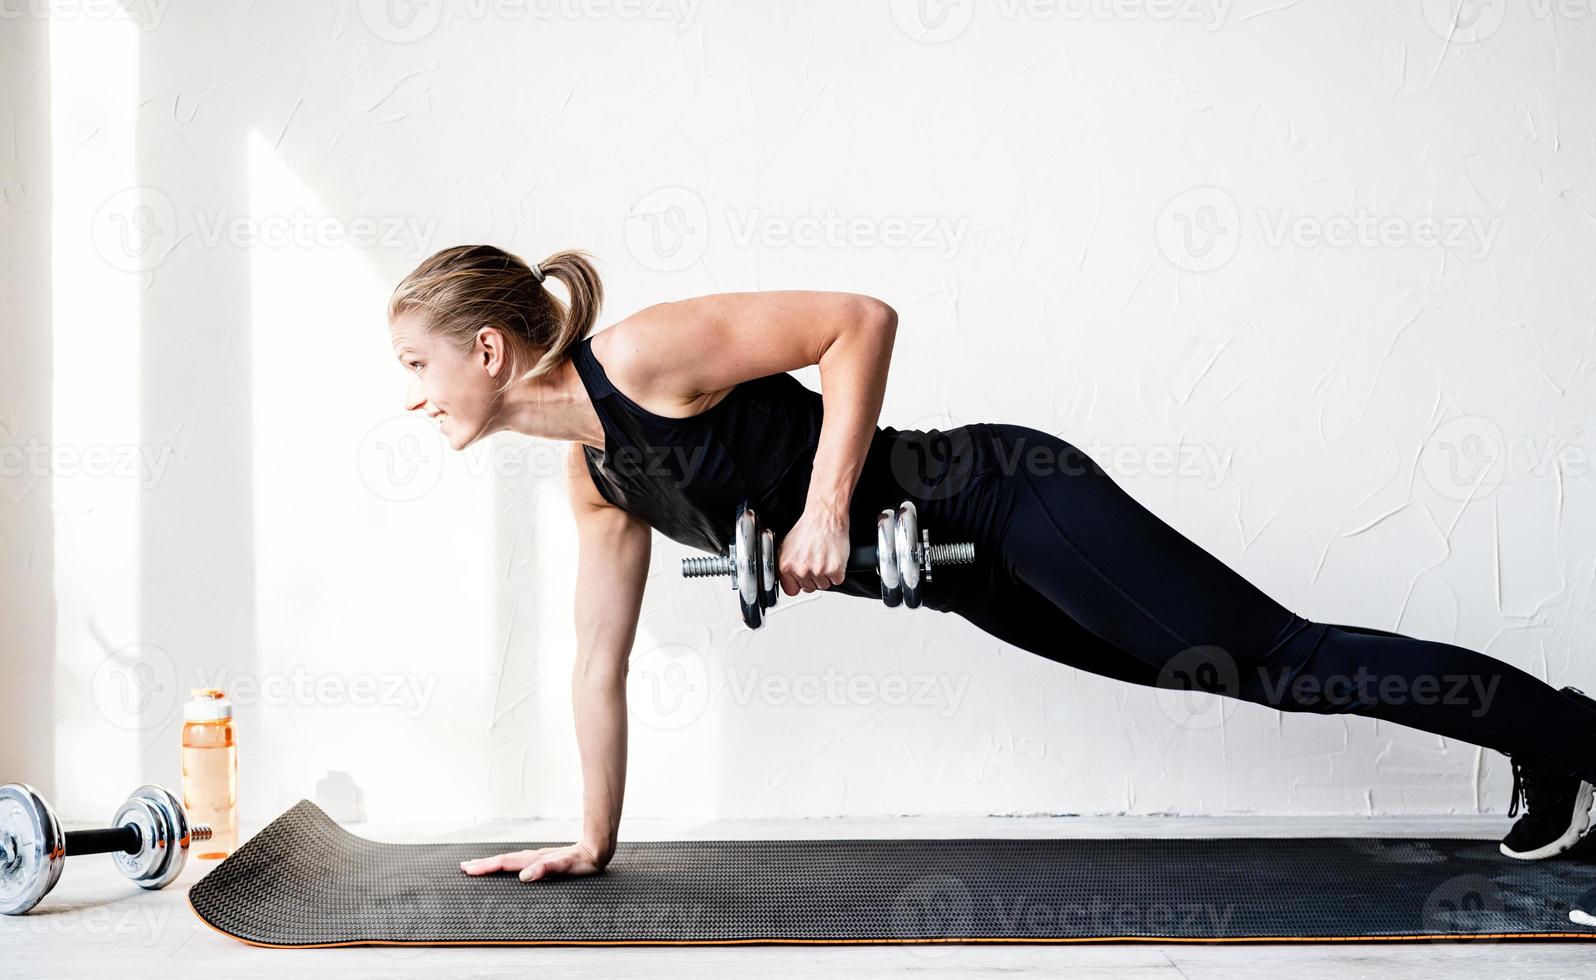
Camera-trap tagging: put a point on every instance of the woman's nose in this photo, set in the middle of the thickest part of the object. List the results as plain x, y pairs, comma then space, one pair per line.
414, 398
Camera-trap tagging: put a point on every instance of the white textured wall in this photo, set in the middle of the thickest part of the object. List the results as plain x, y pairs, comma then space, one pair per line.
1296, 272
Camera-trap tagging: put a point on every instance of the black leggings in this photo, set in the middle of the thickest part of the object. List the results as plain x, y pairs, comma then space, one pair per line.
1082, 574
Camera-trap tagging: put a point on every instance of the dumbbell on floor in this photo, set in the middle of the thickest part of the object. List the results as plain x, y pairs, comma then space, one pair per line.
902, 557
149, 840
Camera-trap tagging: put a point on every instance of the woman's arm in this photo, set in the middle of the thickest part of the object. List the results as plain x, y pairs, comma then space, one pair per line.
611, 570
734, 337
853, 383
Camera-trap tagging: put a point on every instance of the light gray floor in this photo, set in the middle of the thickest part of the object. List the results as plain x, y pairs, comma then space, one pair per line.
96, 924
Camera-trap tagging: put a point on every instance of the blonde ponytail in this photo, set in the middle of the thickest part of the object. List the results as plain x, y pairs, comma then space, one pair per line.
462, 289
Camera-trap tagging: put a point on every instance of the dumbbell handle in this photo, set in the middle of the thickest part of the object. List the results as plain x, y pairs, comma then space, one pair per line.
127, 839
862, 558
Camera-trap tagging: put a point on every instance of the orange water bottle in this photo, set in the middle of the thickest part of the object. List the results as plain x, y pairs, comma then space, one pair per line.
210, 770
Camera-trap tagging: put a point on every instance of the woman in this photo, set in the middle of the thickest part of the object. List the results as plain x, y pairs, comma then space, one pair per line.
682, 410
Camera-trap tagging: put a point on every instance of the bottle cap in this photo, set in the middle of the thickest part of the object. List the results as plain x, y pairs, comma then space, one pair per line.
208, 704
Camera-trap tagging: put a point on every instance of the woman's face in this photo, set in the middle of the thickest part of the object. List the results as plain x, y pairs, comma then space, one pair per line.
457, 390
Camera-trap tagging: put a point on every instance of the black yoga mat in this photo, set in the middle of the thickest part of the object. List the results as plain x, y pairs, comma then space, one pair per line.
305, 881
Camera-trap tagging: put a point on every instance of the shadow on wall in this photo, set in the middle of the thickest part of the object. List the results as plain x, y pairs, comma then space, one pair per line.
27, 554
341, 797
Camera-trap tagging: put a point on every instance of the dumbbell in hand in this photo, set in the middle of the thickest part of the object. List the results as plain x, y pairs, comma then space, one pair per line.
902, 557
149, 840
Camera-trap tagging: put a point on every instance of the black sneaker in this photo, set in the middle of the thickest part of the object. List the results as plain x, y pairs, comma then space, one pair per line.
1557, 806
1584, 910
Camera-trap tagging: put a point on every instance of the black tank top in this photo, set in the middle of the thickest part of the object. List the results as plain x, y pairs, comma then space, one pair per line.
686, 476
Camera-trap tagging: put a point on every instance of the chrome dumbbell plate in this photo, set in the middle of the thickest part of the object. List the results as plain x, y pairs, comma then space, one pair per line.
767, 568
887, 569
746, 567
163, 833
32, 848
909, 555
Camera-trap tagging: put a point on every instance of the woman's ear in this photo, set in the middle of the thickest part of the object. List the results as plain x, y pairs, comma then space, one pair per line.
492, 350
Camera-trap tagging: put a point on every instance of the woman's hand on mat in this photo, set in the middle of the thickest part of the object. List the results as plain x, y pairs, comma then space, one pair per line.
571, 859
814, 554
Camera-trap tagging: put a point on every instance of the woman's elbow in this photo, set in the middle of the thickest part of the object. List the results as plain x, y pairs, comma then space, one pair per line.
880, 315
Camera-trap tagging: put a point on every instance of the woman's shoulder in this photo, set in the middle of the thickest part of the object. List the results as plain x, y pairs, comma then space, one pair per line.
645, 363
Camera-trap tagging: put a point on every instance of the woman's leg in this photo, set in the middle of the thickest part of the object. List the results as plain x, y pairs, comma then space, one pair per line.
1020, 616
1139, 585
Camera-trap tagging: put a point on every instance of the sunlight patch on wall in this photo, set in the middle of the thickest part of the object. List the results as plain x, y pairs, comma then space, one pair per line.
374, 546
112, 691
